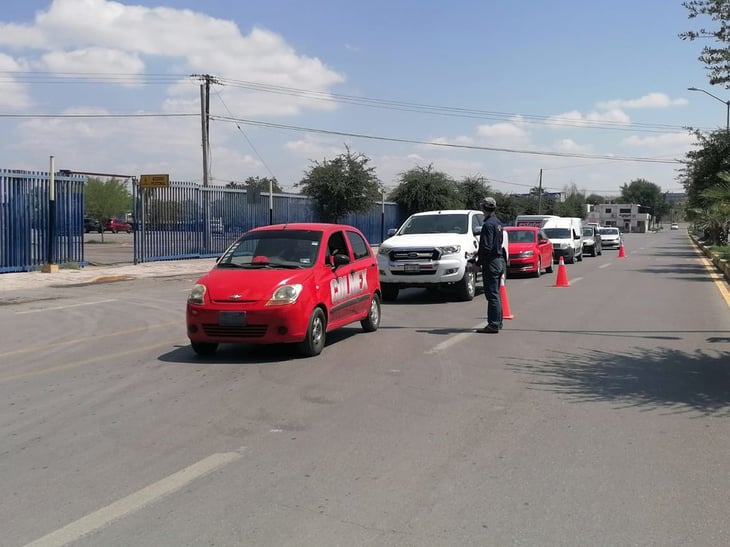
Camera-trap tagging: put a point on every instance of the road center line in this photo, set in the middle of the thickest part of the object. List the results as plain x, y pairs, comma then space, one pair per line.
97, 359
453, 340
66, 307
82, 339
135, 501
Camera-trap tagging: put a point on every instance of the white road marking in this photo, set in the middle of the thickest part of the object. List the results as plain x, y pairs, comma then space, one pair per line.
606, 265
453, 340
66, 307
575, 280
136, 501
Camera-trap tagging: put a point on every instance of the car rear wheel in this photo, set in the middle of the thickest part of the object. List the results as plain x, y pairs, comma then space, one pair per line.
467, 287
204, 348
313, 343
372, 320
390, 292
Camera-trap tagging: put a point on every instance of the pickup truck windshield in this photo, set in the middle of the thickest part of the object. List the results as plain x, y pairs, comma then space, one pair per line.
436, 224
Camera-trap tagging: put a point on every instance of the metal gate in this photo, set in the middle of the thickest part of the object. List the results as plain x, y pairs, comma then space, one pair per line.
186, 220
27, 239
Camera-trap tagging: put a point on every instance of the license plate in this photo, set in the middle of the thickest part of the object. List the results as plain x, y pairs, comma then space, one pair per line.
412, 267
232, 318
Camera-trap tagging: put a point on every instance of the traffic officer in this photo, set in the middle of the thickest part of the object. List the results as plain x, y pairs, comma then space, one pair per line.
492, 261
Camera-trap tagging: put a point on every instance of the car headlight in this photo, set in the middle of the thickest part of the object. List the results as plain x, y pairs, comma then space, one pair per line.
527, 253
197, 294
563, 245
450, 249
286, 294
383, 250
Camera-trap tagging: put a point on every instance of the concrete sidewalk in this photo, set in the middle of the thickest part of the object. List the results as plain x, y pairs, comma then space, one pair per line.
104, 274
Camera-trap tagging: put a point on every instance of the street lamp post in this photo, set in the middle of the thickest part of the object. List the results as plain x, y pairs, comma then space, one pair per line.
726, 103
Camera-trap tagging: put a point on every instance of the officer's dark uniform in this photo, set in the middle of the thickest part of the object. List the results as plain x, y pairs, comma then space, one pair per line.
492, 261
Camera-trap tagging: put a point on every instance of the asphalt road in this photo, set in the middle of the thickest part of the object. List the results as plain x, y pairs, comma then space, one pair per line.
599, 416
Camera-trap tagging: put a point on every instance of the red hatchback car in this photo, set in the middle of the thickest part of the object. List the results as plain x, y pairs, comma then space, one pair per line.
113, 225
286, 283
530, 250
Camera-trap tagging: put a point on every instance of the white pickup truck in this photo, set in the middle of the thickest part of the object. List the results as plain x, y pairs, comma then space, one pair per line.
433, 249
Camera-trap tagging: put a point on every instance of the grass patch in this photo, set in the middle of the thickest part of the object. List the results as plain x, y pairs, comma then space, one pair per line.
723, 252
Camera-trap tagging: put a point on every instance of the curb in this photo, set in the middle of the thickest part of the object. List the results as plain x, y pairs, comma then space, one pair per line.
720, 264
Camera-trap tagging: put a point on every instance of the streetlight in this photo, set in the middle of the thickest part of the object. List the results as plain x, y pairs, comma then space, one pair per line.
726, 103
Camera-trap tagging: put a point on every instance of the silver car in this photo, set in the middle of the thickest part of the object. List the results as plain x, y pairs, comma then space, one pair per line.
610, 236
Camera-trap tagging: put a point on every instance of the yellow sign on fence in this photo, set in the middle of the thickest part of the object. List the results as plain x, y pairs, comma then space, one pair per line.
154, 181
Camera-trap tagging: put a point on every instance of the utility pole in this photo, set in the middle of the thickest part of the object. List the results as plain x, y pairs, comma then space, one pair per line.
206, 80
539, 195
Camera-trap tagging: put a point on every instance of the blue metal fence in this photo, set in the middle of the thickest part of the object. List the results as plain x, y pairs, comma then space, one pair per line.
187, 220
25, 235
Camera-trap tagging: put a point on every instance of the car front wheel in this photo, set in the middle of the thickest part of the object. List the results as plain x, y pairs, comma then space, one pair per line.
313, 343
538, 269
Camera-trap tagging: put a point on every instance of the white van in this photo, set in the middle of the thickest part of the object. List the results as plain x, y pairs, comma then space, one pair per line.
533, 220
566, 234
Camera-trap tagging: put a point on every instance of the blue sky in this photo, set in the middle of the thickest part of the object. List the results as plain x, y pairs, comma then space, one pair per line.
511, 87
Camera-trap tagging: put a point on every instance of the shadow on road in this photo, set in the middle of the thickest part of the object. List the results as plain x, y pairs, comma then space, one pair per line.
654, 379
251, 354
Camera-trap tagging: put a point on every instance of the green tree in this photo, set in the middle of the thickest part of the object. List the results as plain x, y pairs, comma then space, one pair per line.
595, 199
423, 189
703, 165
257, 184
715, 58
106, 199
341, 186
471, 190
573, 204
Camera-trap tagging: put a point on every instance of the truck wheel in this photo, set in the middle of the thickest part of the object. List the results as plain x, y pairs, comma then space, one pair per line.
466, 288
390, 292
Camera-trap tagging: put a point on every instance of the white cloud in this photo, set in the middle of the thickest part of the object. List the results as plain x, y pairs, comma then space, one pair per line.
575, 118
13, 94
502, 130
105, 36
665, 141
650, 100
570, 146
314, 148
93, 60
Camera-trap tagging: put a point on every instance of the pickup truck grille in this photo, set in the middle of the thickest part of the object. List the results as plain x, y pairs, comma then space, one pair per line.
415, 254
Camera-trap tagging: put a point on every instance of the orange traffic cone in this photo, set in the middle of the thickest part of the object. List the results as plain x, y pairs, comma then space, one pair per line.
621, 252
506, 312
562, 279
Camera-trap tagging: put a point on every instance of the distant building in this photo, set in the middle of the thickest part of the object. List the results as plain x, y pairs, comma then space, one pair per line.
628, 217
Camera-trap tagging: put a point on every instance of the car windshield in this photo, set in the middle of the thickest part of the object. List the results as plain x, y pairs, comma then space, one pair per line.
522, 236
291, 249
455, 223
557, 233
588, 231
609, 231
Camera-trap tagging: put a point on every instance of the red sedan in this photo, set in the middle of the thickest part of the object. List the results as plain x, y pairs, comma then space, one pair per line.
530, 250
113, 225
286, 283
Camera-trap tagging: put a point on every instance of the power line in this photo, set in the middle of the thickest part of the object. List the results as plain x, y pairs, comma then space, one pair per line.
445, 145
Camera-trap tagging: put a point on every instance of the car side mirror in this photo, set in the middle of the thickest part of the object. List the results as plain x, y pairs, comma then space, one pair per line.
542, 241
391, 232
477, 231
340, 260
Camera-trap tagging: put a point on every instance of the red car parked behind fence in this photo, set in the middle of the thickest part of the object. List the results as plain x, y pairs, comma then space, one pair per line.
113, 225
